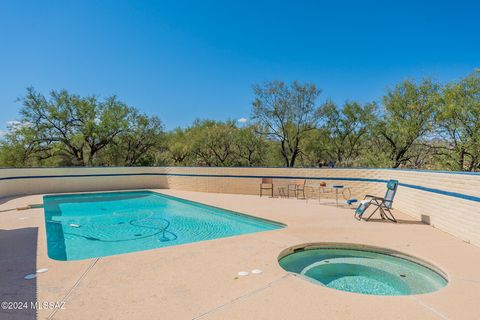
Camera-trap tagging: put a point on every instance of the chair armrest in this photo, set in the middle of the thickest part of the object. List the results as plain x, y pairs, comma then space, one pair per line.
369, 196
373, 197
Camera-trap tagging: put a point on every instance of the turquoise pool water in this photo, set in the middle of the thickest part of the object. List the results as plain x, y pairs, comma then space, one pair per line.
92, 225
363, 272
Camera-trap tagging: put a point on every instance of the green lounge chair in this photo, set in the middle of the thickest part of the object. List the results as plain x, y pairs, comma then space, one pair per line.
383, 204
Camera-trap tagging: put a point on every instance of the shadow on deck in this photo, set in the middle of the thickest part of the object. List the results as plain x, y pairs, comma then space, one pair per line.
18, 257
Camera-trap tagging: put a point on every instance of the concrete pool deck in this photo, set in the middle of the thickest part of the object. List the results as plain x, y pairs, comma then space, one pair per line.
199, 280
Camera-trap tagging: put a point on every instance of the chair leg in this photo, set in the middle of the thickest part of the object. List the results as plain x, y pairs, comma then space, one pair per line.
303, 193
272, 192
372, 213
382, 213
391, 218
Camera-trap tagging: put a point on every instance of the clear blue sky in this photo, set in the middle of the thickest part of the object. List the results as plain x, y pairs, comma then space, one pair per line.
183, 60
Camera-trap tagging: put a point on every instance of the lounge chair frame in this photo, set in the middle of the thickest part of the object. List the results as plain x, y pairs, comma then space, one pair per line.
383, 205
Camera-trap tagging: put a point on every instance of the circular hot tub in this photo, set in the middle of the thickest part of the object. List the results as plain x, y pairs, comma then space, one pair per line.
363, 269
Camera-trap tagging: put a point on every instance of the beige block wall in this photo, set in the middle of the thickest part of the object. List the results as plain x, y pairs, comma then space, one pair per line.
454, 215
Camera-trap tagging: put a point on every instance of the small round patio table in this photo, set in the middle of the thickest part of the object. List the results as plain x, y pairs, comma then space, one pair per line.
344, 189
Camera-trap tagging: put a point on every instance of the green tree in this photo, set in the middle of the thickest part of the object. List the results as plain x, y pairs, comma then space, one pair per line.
216, 143
250, 147
459, 123
179, 147
140, 142
346, 129
407, 119
212, 142
80, 126
70, 130
286, 113
16, 147
314, 148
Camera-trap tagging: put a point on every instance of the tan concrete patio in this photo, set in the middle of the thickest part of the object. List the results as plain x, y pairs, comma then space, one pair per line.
199, 280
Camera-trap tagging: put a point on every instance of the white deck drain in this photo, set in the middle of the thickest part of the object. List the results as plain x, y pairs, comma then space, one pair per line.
243, 273
256, 271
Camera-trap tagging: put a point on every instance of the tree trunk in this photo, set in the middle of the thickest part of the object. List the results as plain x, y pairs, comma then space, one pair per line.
285, 155
461, 160
293, 158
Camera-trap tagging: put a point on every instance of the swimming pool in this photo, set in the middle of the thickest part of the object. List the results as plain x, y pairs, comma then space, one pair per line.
363, 269
81, 226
